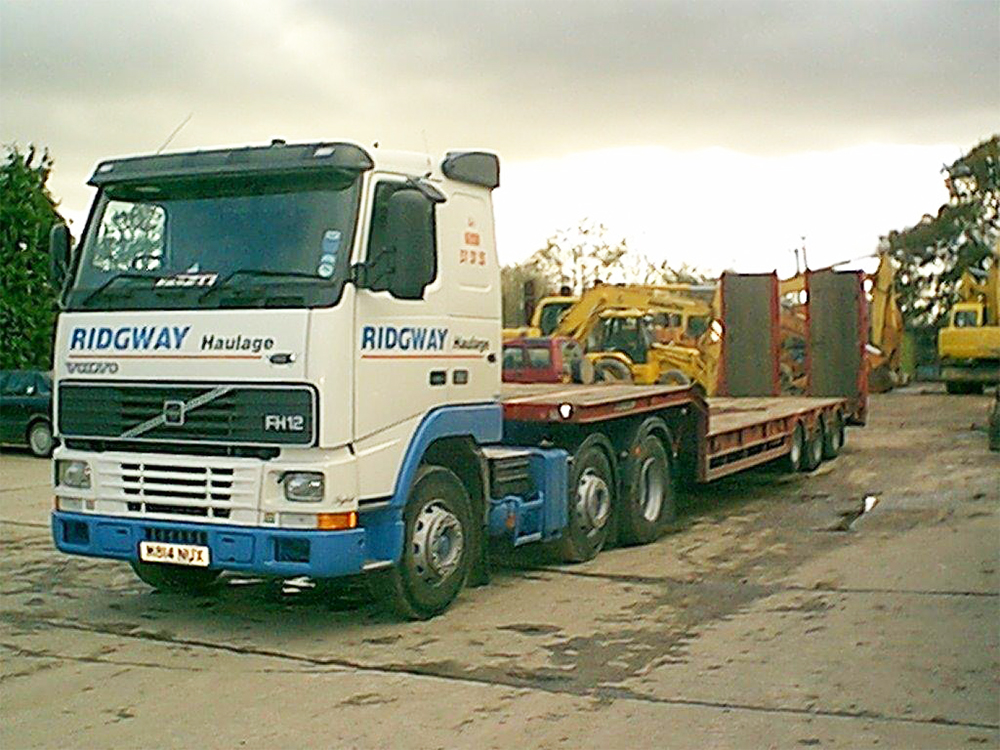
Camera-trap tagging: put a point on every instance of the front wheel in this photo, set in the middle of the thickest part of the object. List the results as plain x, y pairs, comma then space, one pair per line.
437, 547
176, 578
674, 377
612, 371
40, 439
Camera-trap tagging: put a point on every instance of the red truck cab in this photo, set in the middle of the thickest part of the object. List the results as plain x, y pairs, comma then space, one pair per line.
544, 360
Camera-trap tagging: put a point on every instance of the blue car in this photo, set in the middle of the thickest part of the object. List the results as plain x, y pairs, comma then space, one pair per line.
26, 410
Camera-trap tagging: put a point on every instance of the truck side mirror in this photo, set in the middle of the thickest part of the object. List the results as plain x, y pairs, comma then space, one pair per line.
411, 234
60, 254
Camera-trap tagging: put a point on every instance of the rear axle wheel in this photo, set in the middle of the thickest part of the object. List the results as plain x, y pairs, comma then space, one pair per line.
590, 504
648, 501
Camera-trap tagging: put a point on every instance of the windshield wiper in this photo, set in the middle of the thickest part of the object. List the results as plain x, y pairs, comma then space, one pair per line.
107, 284
259, 273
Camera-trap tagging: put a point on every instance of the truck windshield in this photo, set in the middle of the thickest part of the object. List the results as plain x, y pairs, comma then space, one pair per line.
258, 241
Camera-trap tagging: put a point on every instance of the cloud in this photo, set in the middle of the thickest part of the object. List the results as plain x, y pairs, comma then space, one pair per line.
531, 80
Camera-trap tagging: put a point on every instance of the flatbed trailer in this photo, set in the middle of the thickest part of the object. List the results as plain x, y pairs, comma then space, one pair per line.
722, 435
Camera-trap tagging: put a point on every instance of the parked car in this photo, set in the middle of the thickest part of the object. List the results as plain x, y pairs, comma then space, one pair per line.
26, 410
545, 360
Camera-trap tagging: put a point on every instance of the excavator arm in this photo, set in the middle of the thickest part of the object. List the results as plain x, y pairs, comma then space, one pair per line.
579, 320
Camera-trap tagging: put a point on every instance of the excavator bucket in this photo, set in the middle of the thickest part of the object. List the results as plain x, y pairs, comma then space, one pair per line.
751, 337
837, 337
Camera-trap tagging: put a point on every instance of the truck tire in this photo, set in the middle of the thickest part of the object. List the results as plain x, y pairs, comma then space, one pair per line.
833, 434
812, 449
673, 377
792, 461
612, 371
583, 371
648, 500
591, 503
176, 579
40, 439
437, 547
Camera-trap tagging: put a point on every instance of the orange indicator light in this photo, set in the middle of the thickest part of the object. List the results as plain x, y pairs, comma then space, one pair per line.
337, 521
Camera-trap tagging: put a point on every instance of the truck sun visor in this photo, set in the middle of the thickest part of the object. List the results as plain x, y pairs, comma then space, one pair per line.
258, 159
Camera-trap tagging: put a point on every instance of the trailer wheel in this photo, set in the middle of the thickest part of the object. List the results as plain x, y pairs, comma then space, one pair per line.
176, 579
833, 434
437, 547
612, 371
648, 501
812, 453
591, 502
793, 459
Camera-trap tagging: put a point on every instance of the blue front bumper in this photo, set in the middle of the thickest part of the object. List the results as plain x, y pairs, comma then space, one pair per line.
275, 552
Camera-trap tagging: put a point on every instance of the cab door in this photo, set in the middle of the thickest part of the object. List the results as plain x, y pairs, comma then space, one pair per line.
402, 340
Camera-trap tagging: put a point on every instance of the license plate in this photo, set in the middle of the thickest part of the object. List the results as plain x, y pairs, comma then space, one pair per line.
174, 554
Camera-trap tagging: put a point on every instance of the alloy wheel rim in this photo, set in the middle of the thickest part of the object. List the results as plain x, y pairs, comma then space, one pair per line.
438, 543
593, 502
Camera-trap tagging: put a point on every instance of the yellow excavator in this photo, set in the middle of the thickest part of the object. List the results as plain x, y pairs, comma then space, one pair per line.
885, 334
544, 319
885, 330
550, 309
645, 334
969, 345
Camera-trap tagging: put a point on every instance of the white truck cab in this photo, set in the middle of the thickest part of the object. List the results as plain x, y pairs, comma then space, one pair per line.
259, 346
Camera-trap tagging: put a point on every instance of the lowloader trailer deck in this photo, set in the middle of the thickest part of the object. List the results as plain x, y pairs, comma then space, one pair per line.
724, 435
291, 367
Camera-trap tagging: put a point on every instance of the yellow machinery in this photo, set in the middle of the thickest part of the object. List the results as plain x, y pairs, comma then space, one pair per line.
645, 335
546, 316
885, 338
885, 333
549, 311
969, 345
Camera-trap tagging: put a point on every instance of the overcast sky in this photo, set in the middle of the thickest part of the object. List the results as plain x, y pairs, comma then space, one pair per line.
714, 133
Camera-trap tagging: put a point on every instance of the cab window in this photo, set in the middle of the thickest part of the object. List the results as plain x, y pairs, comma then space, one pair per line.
18, 384
966, 318
539, 357
513, 357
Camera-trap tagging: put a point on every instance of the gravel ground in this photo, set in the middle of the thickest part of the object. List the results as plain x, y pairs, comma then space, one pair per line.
774, 615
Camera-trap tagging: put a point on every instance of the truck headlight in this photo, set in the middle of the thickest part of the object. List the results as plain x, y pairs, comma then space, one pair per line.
304, 486
75, 474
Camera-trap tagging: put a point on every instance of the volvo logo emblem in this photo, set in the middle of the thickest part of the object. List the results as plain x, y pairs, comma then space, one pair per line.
173, 413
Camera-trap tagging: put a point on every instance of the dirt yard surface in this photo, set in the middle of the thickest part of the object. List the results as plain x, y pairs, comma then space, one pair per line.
775, 615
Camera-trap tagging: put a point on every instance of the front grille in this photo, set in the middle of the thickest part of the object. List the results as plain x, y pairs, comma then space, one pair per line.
155, 485
189, 413
153, 481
